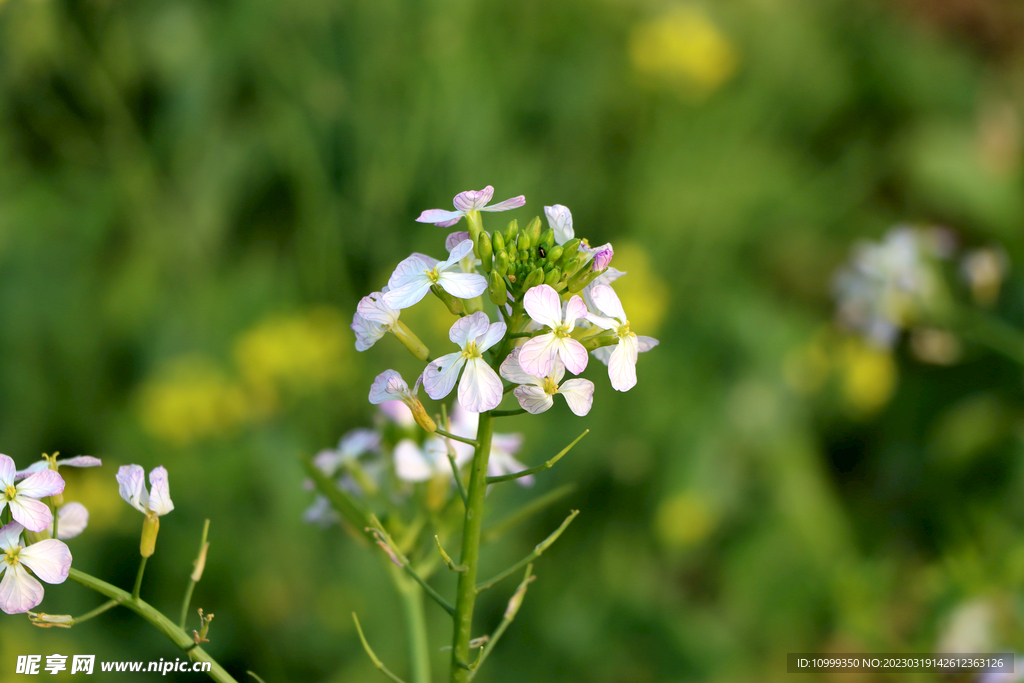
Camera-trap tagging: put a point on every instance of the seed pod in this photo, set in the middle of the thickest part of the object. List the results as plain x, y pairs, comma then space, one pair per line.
501, 262
535, 278
547, 238
553, 276
581, 279
554, 253
483, 248
569, 249
511, 231
497, 241
496, 289
533, 230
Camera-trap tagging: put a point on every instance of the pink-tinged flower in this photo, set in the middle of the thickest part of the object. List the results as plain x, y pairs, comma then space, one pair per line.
503, 446
560, 220
414, 463
22, 498
539, 353
132, 482
72, 519
50, 560
397, 412
606, 278
603, 256
372, 320
414, 277
467, 202
536, 394
622, 359
389, 386
480, 388
50, 463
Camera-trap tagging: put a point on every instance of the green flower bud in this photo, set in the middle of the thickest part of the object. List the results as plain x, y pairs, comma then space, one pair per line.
454, 305
535, 278
553, 276
524, 241
483, 248
497, 241
511, 231
554, 253
533, 230
571, 266
547, 266
581, 279
496, 289
524, 256
501, 262
547, 239
569, 250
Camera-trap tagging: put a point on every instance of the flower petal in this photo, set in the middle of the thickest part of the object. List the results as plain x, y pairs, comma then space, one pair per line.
160, 493
19, 591
440, 376
72, 519
367, 333
462, 285
512, 371
455, 239
357, 442
537, 355
398, 412
607, 302
440, 217
579, 394
573, 354
507, 205
493, 335
408, 294
544, 305
574, 310
410, 464
480, 388
80, 461
41, 484
131, 480
32, 514
467, 329
7, 470
37, 466
409, 269
10, 536
560, 220
622, 364
473, 200
645, 344
50, 560
373, 308
387, 386
458, 252
533, 399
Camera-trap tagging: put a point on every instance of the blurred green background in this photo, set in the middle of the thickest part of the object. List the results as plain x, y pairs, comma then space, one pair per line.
194, 195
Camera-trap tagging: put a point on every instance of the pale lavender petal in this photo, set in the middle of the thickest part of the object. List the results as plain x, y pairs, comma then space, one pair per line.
387, 386
50, 560
398, 412
622, 364
72, 519
574, 310
357, 442
537, 355
493, 335
440, 376
558, 372
373, 308
7, 470
467, 329
579, 394
480, 388
367, 333
131, 480
603, 256
573, 354
507, 205
41, 484
321, 513
473, 200
10, 537
19, 591
458, 252
512, 371
440, 217
645, 344
544, 305
560, 220
603, 322
160, 493
454, 239
32, 514
608, 302
80, 461
410, 269
327, 461
410, 464
463, 285
408, 294
602, 354
533, 399
37, 466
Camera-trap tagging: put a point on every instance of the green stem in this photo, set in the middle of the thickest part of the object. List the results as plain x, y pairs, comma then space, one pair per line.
539, 468
466, 597
510, 614
456, 437
373, 655
191, 580
525, 512
158, 620
992, 332
508, 413
538, 550
138, 579
416, 624
110, 604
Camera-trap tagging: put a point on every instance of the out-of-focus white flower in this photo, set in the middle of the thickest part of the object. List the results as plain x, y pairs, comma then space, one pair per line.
888, 285
397, 412
22, 497
560, 220
354, 444
503, 446
480, 388
321, 513
621, 360
539, 354
72, 519
414, 463
985, 269
414, 277
49, 560
536, 394
467, 202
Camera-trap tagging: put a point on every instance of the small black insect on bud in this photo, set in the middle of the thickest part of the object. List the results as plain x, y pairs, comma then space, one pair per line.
541, 252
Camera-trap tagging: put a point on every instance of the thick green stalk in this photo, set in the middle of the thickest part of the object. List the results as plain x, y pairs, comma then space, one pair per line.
158, 620
416, 625
466, 598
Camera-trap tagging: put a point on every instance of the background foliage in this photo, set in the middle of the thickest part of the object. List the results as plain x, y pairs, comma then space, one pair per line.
194, 195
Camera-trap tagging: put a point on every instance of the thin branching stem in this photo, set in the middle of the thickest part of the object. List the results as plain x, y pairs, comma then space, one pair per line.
537, 552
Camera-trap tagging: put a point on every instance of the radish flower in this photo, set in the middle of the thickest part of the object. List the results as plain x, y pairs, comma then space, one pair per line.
622, 359
502, 459
49, 462
468, 202
389, 386
536, 394
414, 463
72, 519
480, 388
414, 277
132, 482
49, 560
372, 320
560, 220
22, 498
539, 353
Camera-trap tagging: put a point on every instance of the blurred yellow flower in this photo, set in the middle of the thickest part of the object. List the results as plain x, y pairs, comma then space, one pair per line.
683, 46
192, 399
683, 519
868, 375
643, 294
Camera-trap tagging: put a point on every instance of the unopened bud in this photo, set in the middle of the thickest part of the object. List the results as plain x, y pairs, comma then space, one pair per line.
420, 415
511, 231
497, 241
533, 230
454, 305
554, 253
501, 263
535, 278
475, 225
411, 341
43, 620
547, 239
524, 256
581, 279
482, 247
150, 528
200, 563
57, 500
569, 250
570, 267
553, 276
524, 242
496, 290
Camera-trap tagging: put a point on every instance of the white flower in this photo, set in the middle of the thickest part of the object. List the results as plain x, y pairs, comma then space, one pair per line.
321, 513
560, 220
31, 513
621, 360
352, 445
44, 464
536, 394
539, 353
414, 277
414, 463
389, 386
398, 412
606, 278
372, 320
480, 388
132, 482
50, 560
72, 519
467, 202
503, 446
